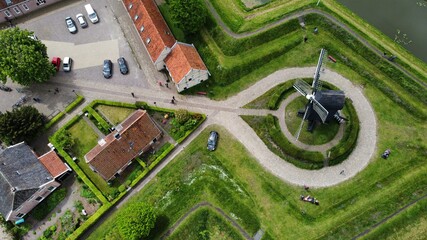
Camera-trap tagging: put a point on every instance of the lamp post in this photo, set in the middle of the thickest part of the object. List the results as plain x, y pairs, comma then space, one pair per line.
74, 91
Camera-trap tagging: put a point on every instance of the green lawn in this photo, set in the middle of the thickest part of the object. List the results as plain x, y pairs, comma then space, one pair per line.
85, 139
322, 133
114, 114
205, 223
233, 180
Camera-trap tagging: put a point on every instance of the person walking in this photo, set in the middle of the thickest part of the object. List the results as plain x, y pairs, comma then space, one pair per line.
133, 95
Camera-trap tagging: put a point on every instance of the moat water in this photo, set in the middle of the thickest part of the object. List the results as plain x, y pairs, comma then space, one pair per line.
404, 21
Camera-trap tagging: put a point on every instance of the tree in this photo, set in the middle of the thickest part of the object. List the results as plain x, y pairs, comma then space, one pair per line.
63, 139
23, 59
182, 116
136, 221
22, 124
188, 15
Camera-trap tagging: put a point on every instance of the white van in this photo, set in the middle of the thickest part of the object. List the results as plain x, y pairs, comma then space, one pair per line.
91, 13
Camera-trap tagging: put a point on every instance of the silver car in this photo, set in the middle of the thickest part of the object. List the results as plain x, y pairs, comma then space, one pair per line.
81, 19
70, 25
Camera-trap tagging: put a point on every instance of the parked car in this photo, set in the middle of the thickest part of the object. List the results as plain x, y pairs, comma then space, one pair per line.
93, 17
71, 25
56, 61
66, 64
81, 19
108, 68
212, 140
123, 65
34, 37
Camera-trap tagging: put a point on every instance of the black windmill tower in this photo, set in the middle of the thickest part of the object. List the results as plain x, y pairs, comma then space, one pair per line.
323, 105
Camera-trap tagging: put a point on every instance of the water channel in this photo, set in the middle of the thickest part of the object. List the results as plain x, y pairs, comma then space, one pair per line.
404, 21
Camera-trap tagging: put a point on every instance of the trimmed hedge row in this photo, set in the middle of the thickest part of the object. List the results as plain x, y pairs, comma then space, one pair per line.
54, 120
102, 123
231, 46
92, 220
94, 103
74, 104
225, 75
314, 159
382, 64
340, 152
280, 92
79, 172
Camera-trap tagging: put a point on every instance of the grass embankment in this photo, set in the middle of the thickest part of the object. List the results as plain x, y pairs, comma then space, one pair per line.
232, 180
205, 223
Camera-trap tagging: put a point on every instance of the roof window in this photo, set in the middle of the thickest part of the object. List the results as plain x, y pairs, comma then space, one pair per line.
148, 40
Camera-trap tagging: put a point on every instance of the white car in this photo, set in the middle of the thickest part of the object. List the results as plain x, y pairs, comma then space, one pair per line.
66, 64
81, 19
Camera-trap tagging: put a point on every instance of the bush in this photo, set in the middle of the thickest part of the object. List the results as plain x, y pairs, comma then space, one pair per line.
182, 116
72, 105
122, 188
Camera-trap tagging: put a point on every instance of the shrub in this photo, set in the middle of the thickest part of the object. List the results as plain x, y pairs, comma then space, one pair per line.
182, 116
122, 188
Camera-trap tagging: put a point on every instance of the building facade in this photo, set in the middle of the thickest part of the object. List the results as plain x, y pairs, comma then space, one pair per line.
26, 179
12, 9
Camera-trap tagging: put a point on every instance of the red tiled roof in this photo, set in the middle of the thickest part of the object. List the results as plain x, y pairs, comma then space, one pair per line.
154, 25
53, 164
137, 133
182, 59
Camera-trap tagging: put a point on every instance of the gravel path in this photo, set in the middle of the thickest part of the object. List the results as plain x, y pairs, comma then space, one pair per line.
302, 13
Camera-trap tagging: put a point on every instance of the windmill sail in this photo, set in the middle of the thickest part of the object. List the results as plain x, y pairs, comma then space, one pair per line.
316, 81
320, 110
302, 123
302, 87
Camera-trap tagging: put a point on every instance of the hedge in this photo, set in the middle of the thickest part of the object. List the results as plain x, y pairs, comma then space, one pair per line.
59, 116
381, 63
340, 152
105, 127
54, 120
94, 103
79, 172
76, 102
79, 231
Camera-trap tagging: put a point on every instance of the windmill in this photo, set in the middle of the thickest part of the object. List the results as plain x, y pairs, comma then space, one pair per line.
323, 105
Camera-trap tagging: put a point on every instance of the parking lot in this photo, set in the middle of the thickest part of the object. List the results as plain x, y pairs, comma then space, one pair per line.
88, 48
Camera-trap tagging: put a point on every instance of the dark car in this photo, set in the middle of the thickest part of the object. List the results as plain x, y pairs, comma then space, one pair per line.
212, 140
108, 68
71, 25
123, 65
5, 88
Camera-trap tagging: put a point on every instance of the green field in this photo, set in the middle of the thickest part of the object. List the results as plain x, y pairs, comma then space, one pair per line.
233, 180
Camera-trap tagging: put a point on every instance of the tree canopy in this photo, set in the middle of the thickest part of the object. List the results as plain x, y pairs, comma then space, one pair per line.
22, 124
23, 59
188, 15
136, 221
63, 139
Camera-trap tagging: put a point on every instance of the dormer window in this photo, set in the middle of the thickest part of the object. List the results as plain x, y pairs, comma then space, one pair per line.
130, 6
141, 29
136, 17
117, 136
148, 40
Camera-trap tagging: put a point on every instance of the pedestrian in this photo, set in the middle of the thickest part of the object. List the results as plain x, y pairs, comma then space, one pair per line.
342, 172
173, 101
154, 103
305, 39
173, 97
167, 85
133, 95
306, 187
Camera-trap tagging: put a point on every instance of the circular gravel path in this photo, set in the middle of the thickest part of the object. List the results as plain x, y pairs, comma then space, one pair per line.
324, 177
